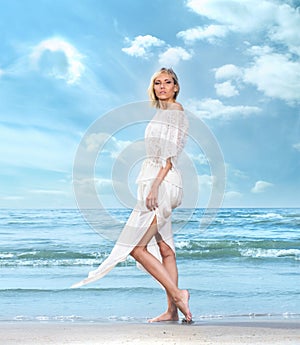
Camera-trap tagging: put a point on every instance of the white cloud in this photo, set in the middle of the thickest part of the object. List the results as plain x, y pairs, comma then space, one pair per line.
141, 46
237, 173
1, 72
12, 198
276, 75
209, 33
59, 59
107, 143
260, 50
199, 158
86, 187
117, 146
279, 22
48, 192
173, 55
240, 16
232, 195
226, 89
205, 181
94, 140
228, 71
104, 186
288, 27
214, 108
297, 146
261, 186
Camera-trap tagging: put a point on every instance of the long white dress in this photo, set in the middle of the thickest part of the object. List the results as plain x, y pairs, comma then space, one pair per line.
165, 137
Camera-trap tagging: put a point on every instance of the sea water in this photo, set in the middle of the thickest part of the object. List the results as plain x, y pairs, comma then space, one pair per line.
246, 264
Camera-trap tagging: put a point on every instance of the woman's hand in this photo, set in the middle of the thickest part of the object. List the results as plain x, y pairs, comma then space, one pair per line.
152, 198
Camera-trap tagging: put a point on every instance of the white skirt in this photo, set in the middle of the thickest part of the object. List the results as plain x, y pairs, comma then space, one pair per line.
169, 197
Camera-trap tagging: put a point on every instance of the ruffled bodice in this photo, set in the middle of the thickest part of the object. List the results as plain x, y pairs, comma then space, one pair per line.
165, 137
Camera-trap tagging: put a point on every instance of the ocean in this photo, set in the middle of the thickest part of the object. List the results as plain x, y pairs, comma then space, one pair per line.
246, 264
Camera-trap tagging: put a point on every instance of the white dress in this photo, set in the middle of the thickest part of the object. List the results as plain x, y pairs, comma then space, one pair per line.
165, 137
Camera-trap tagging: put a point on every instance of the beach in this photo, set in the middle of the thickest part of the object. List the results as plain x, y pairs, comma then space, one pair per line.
243, 332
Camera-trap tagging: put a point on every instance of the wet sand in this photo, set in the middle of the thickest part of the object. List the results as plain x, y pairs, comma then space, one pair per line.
247, 332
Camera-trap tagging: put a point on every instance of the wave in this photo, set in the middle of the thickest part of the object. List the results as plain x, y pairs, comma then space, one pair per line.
111, 290
185, 249
50, 258
272, 253
265, 249
199, 318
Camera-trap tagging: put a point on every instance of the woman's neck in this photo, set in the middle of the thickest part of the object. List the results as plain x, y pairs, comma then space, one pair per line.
166, 104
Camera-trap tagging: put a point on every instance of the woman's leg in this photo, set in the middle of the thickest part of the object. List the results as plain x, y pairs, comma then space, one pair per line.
169, 262
179, 297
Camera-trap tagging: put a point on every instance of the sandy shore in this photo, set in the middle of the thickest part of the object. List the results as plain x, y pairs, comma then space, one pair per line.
250, 333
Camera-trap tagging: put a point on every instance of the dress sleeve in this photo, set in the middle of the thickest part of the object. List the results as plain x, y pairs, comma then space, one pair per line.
170, 136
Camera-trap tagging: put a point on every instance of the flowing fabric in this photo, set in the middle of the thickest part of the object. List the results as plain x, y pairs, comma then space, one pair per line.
165, 137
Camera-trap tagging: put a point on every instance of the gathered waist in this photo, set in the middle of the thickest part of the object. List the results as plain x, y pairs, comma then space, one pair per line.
150, 169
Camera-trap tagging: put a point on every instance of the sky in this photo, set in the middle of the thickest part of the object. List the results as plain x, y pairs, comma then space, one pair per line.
65, 64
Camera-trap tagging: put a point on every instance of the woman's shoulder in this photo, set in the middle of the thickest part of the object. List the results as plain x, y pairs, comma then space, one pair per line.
172, 113
176, 106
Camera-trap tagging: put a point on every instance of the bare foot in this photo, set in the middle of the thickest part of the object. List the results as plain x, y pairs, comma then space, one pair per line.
182, 304
167, 316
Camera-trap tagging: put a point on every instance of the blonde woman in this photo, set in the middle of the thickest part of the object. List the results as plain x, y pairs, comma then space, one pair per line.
147, 235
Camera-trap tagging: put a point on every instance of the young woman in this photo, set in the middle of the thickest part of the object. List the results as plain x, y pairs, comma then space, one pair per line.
147, 235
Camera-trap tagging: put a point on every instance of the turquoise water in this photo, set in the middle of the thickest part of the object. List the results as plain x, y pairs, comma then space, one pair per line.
246, 264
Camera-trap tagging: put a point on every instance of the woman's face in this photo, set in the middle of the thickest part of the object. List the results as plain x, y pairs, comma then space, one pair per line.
165, 88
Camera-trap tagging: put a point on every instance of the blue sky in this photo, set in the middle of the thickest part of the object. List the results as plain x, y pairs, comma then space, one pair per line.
63, 64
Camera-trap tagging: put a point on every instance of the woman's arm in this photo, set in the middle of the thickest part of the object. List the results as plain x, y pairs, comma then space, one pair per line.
151, 200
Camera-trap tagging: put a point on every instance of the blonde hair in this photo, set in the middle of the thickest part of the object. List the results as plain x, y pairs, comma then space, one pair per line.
153, 98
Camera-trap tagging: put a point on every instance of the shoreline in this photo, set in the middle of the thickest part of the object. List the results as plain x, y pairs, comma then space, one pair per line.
200, 332
212, 319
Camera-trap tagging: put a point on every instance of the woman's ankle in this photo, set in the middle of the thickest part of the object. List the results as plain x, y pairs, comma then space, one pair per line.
177, 297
